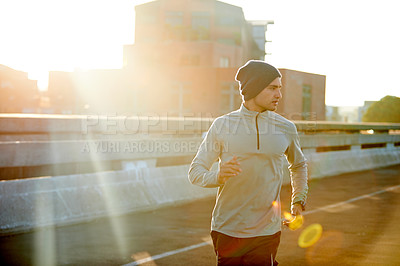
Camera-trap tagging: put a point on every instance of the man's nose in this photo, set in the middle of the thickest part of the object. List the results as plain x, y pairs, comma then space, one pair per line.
278, 94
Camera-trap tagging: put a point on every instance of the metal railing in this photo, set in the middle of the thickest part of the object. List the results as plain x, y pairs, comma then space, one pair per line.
51, 145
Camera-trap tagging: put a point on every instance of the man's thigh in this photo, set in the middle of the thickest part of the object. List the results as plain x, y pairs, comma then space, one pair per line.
245, 251
262, 251
229, 250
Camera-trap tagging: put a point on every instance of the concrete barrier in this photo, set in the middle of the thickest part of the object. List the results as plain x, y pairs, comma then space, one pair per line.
36, 153
31, 127
37, 202
340, 162
50, 157
29, 203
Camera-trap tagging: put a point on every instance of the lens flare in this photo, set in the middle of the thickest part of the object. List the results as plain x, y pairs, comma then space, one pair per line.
310, 235
326, 249
288, 216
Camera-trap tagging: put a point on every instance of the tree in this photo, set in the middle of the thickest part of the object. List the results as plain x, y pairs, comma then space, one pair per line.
386, 109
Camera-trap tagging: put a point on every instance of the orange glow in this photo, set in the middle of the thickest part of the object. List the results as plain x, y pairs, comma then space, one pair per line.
275, 203
62, 43
296, 223
143, 256
288, 216
326, 249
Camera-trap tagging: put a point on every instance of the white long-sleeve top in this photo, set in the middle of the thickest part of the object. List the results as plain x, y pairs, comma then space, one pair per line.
248, 204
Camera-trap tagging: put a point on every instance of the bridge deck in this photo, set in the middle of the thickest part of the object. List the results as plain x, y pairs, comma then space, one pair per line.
359, 213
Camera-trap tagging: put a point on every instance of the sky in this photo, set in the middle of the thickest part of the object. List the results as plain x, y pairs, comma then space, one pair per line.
354, 43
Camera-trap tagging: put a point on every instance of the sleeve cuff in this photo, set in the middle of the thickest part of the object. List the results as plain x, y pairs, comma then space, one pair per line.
301, 203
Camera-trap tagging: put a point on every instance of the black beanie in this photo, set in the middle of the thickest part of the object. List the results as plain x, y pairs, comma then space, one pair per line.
255, 76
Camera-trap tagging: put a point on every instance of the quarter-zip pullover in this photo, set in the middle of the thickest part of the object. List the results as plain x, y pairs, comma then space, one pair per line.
246, 204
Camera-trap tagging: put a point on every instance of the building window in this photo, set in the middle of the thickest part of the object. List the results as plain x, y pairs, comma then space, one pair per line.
174, 28
200, 20
224, 62
259, 32
174, 18
259, 36
230, 97
306, 111
235, 39
200, 26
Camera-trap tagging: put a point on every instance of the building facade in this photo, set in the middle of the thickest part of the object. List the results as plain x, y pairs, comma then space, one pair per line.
183, 63
192, 33
188, 53
19, 94
303, 95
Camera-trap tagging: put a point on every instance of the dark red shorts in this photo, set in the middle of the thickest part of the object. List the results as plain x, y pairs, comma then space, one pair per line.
259, 250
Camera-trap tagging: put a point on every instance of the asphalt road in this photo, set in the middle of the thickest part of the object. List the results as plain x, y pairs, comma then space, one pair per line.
359, 213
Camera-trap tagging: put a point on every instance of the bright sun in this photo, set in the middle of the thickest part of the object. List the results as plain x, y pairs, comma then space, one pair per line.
45, 35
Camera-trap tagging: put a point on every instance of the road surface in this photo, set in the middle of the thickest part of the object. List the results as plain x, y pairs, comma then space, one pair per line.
359, 213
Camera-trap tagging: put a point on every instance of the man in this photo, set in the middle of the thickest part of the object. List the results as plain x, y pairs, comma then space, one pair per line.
251, 145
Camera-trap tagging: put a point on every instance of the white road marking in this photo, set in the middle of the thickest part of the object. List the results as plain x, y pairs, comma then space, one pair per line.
335, 205
351, 200
166, 254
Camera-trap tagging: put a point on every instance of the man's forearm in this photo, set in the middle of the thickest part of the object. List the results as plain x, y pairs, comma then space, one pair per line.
299, 181
201, 176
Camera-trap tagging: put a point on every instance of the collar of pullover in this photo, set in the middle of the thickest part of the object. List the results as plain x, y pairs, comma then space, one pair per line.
244, 111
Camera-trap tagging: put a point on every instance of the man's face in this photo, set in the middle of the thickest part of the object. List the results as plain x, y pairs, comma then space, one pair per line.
269, 97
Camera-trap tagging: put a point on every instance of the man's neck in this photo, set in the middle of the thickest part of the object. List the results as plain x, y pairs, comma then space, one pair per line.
253, 107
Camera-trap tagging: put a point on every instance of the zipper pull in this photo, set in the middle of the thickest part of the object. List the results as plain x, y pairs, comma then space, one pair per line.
258, 135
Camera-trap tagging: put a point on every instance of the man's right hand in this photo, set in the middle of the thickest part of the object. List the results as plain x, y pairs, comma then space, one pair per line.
228, 169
